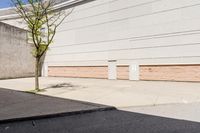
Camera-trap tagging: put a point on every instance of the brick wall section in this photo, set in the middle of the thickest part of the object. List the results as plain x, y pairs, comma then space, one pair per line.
150, 72
170, 72
79, 71
123, 72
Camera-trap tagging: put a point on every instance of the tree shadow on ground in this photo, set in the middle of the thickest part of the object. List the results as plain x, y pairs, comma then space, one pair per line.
68, 86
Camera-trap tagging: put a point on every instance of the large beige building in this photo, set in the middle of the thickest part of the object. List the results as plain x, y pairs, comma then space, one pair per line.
128, 39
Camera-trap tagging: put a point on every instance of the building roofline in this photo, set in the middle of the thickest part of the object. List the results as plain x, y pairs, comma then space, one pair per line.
9, 13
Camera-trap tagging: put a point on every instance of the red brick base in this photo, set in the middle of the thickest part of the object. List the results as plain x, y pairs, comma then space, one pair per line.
123, 72
79, 72
170, 72
148, 72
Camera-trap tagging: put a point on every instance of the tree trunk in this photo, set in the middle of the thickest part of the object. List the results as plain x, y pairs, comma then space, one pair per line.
37, 88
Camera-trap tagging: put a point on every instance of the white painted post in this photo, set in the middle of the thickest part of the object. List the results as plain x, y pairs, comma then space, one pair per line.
134, 72
112, 70
45, 70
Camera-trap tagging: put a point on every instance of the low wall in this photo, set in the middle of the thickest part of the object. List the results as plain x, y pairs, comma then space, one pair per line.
122, 72
147, 72
170, 72
16, 59
79, 72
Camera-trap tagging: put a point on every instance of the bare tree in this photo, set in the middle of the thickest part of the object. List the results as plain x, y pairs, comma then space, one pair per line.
42, 23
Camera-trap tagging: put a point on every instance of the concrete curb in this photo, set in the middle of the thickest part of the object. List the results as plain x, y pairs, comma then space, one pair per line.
61, 114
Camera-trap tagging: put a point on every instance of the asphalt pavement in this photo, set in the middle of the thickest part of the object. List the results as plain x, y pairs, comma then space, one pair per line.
113, 121
29, 113
17, 106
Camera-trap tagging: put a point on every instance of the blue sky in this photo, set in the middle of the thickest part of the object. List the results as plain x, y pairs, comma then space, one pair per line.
5, 3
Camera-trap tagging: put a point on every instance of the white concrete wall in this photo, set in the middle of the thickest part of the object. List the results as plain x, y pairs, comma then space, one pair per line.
16, 59
17, 23
129, 31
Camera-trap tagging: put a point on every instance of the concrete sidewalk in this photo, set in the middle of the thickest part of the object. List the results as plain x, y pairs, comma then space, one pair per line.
118, 93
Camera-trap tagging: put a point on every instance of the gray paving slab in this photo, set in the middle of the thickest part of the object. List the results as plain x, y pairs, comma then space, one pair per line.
114, 121
16, 105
